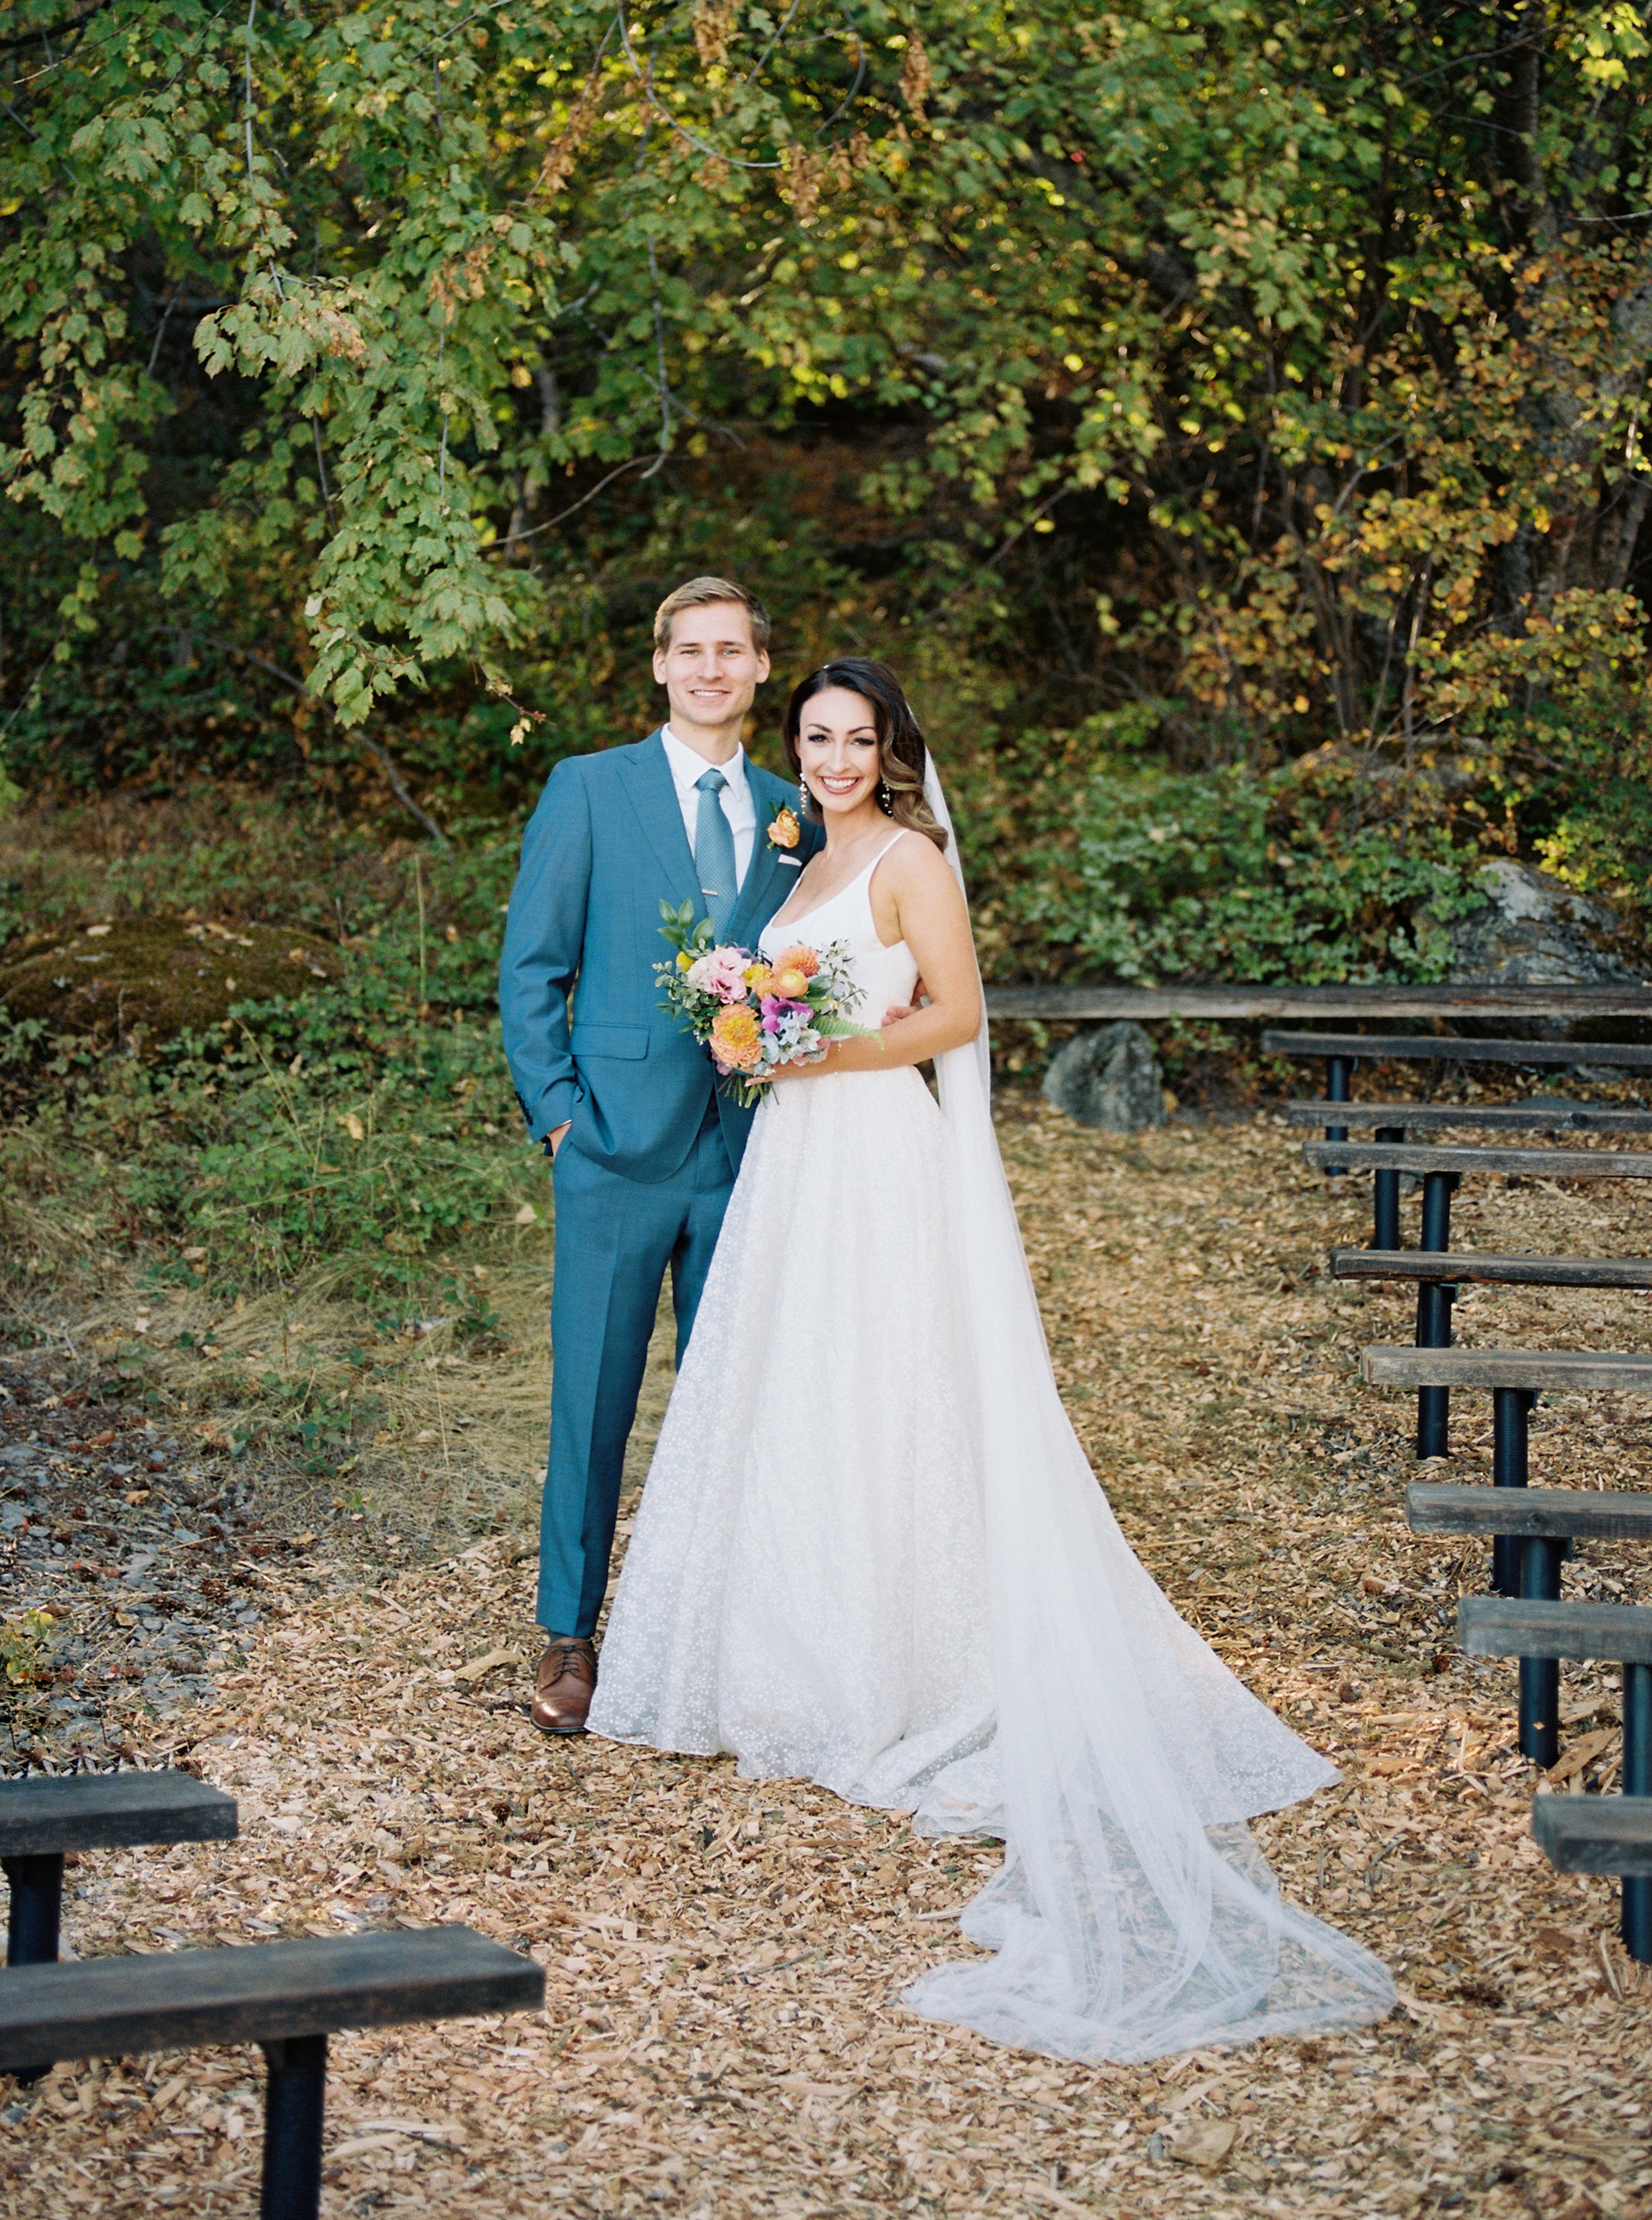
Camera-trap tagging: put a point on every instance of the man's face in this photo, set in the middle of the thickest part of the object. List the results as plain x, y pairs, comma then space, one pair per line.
713, 667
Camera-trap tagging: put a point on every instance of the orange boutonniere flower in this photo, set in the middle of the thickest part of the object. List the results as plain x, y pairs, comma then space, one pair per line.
784, 830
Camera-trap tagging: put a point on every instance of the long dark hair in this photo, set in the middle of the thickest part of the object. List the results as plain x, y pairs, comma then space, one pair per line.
901, 753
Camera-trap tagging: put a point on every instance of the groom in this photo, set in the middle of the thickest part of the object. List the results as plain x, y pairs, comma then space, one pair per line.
644, 1147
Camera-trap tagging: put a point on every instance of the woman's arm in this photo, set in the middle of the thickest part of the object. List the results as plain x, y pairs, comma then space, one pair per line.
916, 898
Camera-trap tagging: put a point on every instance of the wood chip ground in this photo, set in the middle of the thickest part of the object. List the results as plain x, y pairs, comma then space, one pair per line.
724, 2033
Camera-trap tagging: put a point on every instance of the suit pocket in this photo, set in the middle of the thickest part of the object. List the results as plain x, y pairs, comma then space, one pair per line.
629, 1042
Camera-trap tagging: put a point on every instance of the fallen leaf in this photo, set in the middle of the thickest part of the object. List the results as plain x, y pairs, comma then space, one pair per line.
527, 1215
1203, 2142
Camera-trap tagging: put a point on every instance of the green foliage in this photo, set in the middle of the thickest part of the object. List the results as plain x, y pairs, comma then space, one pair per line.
1263, 876
25, 1640
1288, 370
369, 1121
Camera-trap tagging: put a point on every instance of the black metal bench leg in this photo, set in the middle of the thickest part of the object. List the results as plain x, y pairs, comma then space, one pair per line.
35, 1913
1434, 1314
34, 1920
1385, 1216
1511, 1427
1540, 1582
1637, 1781
1338, 1071
294, 2101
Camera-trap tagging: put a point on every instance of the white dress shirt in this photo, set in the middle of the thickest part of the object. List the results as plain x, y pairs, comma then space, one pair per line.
738, 807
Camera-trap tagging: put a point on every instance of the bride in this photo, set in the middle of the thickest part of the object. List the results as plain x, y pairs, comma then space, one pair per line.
870, 1551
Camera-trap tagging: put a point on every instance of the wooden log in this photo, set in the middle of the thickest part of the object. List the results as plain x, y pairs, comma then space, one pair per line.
1499, 1117
1529, 1164
1240, 1002
268, 1992
1452, 1048
1436, 1508
1594, 1834
1471, 1264
1508, 1626
105, 1811
1582, 1370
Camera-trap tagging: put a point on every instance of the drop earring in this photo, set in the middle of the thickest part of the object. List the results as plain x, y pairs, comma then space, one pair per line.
803, 797
885, 798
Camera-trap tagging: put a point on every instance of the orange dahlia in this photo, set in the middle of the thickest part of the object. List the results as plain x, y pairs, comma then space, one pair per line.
736, 1037
798, 959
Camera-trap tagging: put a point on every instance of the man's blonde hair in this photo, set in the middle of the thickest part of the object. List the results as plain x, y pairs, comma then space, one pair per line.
699, 594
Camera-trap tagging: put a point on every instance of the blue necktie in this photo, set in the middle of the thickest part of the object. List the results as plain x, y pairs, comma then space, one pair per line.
714, 853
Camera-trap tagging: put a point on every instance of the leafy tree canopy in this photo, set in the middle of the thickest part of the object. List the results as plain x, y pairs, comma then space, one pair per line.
1280, 367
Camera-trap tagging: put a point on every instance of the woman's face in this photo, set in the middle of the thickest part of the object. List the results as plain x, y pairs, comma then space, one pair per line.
838, 749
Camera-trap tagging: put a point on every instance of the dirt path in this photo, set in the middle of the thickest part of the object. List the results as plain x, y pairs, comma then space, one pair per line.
723, 2033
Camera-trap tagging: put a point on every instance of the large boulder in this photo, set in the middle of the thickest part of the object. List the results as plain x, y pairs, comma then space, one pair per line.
1109, 1077
147, 979
1536, 931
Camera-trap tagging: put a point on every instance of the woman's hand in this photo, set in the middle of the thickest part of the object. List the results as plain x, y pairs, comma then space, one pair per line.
810, 1063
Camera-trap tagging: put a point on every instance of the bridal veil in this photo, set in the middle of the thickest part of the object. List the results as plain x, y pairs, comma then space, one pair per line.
1133, 1915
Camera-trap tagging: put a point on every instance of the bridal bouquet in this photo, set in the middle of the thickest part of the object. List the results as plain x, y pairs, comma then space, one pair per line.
751, 1014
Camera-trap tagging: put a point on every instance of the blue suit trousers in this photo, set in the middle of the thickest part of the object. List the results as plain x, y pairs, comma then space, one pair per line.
615, 1240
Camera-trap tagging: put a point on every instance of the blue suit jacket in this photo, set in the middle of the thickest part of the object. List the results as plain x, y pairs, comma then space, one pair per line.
604, 847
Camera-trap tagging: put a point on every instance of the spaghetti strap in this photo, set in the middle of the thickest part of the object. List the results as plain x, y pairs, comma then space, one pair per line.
785, 924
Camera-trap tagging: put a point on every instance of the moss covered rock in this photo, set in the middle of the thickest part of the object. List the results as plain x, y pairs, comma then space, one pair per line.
149, 978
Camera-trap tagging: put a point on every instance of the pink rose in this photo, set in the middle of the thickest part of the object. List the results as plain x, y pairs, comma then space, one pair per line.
721, 973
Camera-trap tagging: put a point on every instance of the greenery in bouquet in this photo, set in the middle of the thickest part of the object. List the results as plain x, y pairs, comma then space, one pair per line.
751, 1015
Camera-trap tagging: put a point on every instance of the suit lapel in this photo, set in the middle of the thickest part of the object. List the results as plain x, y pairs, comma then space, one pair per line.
760, 894
652, 793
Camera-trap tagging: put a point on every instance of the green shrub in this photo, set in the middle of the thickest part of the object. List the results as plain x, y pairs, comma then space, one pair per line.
1241, 874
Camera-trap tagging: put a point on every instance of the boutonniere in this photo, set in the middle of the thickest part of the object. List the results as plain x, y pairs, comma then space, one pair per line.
784, 830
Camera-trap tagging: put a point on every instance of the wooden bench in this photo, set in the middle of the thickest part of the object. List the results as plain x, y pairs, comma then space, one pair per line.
42, 1819
1441, 1169
1241, 1001
1492, 1627
1392, 1121
1553, 1116
1342, 1052
1525, 1163
1585, 1371
287, 1997
1533, 1528
1594, 1834
1484, 1267
1516, 1377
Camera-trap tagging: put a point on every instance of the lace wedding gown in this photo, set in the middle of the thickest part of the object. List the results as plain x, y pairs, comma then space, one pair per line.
870, 1553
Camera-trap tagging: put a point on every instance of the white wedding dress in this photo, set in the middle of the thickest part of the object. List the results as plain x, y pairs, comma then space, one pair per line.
872, 1553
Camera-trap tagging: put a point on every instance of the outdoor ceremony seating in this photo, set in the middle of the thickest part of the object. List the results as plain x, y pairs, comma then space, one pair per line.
1544, 1629
1441, 1168
1603, 1835
1342, 1052
43, 1819
1535, 1526
287, 1997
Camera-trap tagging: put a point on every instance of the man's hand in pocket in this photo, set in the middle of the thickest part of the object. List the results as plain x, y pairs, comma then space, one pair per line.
553, 1141
893, 1015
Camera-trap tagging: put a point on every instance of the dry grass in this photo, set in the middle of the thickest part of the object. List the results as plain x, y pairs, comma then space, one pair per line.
464, 1417
723, 2034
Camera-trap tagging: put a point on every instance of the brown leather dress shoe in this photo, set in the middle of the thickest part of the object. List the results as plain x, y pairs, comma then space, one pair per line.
565, 1684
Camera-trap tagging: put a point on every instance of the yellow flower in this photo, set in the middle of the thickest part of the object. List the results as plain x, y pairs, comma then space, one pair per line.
757, 978
683, 959
736, 1037
785, 831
